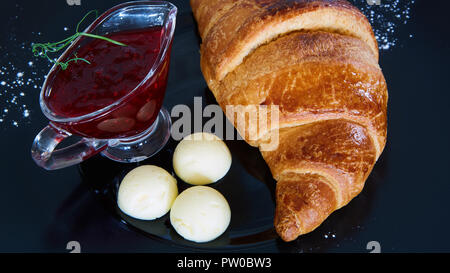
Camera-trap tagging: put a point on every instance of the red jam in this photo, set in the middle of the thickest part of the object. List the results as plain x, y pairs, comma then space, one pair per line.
113, 72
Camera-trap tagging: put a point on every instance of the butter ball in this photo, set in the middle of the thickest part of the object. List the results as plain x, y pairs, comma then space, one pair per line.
147, 192
200, 214
201, 159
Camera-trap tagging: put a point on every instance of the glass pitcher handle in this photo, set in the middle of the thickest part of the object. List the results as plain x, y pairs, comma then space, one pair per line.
45, 155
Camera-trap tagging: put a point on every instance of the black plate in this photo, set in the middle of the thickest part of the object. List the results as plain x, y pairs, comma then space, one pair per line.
249, 189
248, 186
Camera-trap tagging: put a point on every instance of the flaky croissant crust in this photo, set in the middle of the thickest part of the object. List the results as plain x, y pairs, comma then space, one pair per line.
317, 61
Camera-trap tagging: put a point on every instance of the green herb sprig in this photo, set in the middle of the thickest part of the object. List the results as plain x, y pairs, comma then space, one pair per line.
42, 50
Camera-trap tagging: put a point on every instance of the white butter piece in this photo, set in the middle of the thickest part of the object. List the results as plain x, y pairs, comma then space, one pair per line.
147, 192
201, 158
200, 214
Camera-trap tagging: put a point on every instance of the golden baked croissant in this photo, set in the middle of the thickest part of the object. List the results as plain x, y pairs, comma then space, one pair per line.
318, 61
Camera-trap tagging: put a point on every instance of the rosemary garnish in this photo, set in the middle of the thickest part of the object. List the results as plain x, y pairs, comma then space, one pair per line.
43, 50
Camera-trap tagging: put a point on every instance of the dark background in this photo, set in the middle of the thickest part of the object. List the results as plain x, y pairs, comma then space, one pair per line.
404, 206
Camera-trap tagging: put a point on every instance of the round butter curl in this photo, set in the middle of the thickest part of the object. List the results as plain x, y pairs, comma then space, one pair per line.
200, 214
201, 158
147, 192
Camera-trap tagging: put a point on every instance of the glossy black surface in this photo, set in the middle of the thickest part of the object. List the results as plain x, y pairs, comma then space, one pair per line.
404, 205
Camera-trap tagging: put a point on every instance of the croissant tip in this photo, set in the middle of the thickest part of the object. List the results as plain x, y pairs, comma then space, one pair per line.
288, 233
288, 238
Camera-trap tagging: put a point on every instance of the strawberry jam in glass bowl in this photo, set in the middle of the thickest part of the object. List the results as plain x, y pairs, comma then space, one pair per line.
113, 98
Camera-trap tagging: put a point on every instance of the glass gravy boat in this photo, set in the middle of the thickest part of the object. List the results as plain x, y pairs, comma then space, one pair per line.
131, 128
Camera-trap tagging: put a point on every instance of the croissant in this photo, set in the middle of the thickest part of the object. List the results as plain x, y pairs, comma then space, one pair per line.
318, 62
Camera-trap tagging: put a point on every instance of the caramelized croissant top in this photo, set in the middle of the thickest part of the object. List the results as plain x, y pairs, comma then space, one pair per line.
231, 29
311, 76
